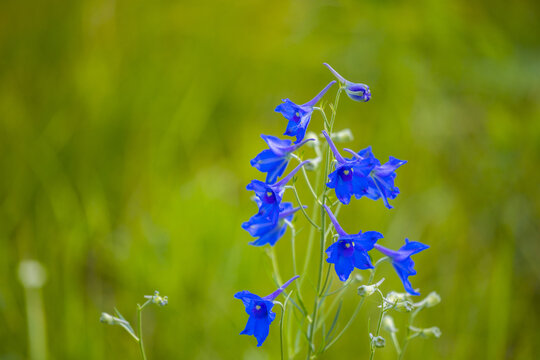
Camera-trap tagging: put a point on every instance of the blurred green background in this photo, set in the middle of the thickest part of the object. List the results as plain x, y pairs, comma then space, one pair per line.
126, 130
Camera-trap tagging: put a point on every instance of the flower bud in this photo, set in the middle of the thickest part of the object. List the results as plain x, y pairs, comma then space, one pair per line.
344, 135
395, 297
107, 319
368, 290
313, 164
157, 299
432, 299
432, 332
388, 324
404, 306
377, 341
315, 143
32, 274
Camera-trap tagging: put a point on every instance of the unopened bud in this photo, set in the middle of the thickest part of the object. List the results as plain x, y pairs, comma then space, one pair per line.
432, 332
395, 297
107, 319
388, 324
432, 299
377, 341
312, 164
368, 290
404, 306
344, 135
32, 274
157, 299
312, 135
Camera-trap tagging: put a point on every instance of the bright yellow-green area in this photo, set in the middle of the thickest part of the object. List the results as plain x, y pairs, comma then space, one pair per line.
126, 130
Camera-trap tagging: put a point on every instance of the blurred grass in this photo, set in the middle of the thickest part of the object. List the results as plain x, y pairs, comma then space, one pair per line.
126, 130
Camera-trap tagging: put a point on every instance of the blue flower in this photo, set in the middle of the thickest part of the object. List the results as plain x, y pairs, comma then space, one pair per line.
356, 91
299, 115
403, 264
351, 176
274, 160
269, 196
350, 251
380, 182
265, 230
260, 312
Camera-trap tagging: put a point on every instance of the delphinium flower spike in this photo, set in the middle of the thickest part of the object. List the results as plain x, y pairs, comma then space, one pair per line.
402, 262
350, 251
274, 160
299, 115
351, 175
260, 312
265, 230
268, 196
381, 179
356, 91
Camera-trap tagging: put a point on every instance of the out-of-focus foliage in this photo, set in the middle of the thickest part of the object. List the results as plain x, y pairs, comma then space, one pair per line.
126, 130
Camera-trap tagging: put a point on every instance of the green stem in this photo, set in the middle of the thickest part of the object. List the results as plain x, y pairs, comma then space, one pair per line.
139, 330
357, 309
322, 201
378, 327
271, 253
302, 208
408, 337
395, 342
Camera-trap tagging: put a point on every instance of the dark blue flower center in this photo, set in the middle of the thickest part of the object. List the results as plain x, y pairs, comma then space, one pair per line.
345, 173
260, 310
269, 197
346, 248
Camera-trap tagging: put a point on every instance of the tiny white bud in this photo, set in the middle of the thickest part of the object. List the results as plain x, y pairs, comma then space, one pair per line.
107, 319
368, 290
388, 324
404, 306
32, 274
394, 297
377, 341
312, 164
344, 135
432, 332
432, 299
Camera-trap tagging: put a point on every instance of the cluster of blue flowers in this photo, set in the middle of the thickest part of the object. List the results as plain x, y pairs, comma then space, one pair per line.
362, 174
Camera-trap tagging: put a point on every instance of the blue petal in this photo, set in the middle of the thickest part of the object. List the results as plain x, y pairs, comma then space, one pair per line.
271, 237
344, 266
266, 160
413, 247
289, 110
362, 260
277, 146
250, 326
367, 240
390, 166
405, 269
261, 330
344, 190
258, 225
248, 299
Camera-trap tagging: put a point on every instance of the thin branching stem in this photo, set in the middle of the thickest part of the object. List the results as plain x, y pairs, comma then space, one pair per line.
139, 325
302, 208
